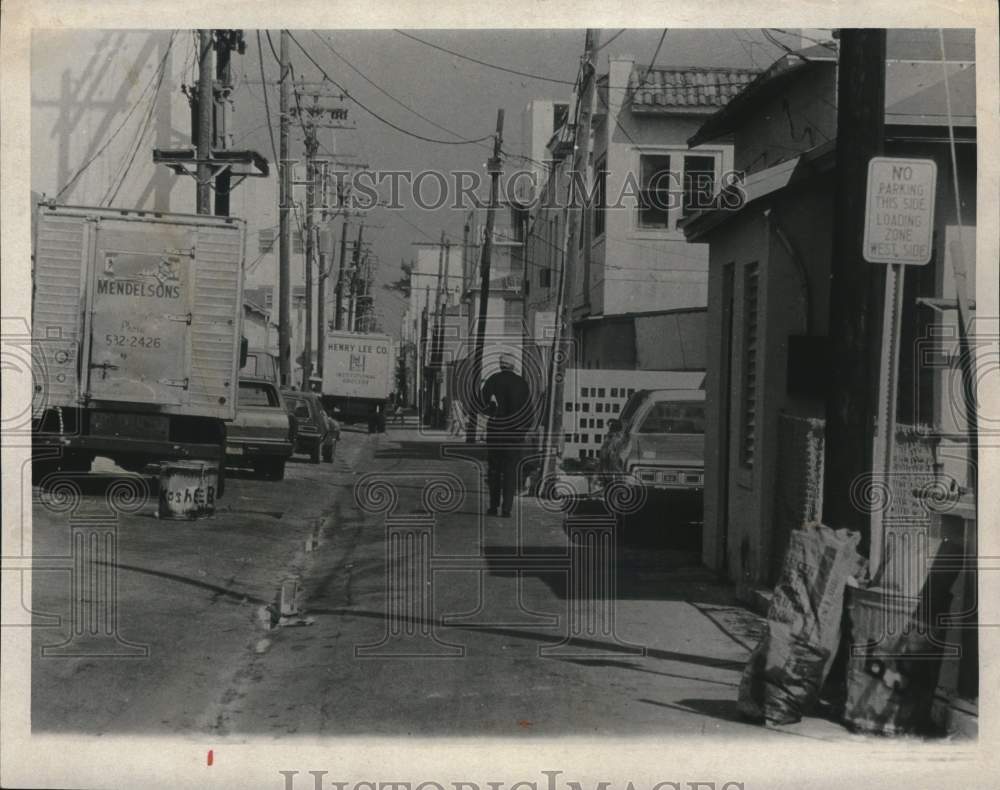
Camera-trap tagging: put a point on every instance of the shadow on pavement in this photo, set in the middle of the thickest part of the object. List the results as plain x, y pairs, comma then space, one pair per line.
603, 663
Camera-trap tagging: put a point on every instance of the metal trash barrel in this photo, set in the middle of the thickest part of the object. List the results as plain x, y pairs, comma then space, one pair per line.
894, 663
187, 489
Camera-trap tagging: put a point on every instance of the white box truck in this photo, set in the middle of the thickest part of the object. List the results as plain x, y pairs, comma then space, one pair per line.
136, 335
358, 374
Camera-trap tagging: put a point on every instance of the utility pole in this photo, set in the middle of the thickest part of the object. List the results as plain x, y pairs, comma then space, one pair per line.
206, 106
311, 148
494, 166
562, 344
313, 111
422, 410
435, 382
854, 287
284, 198
225, 42
338, 310
325, 252
355, 264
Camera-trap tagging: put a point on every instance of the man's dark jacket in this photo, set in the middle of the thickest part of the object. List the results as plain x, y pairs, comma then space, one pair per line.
507, 400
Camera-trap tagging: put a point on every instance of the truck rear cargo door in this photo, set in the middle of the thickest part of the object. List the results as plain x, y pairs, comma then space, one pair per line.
140, 313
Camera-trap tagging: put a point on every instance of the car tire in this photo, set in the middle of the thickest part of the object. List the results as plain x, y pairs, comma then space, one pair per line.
314, 455
328, 453
221, 487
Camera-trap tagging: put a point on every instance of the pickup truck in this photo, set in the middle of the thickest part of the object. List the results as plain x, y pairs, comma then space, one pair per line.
263, 434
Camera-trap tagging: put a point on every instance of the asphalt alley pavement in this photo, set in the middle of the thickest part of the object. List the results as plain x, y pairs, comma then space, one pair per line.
416, 614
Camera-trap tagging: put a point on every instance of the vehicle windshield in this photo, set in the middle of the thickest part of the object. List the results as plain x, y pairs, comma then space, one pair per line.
250, 368
632, 405
671, 416
259, 366
253, 394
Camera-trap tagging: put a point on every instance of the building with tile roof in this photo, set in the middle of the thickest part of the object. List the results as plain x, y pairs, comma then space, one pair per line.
633, 258
769, 270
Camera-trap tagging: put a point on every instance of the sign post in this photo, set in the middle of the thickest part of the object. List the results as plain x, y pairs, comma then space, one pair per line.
899, 227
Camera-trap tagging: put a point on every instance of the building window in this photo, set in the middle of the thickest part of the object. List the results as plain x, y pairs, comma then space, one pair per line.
654, 195
748, 427
601, 197
545, 278
699, 183
672, 185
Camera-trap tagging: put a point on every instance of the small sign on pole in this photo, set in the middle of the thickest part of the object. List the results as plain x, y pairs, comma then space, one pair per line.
899, 214
899, 231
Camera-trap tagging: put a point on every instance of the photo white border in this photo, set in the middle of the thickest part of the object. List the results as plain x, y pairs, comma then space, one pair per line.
110, 761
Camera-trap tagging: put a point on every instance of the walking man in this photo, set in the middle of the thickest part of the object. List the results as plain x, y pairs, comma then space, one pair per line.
507, 401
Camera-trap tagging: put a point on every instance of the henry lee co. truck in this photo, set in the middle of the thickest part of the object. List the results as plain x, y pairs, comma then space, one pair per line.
136, 333
358, 373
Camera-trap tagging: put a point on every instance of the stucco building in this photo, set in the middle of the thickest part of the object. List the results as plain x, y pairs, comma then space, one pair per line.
768, 292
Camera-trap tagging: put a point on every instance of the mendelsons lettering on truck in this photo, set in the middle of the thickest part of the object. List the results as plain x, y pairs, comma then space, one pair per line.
141, 289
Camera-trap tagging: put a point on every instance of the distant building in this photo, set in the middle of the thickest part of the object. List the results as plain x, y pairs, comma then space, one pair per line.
633, 258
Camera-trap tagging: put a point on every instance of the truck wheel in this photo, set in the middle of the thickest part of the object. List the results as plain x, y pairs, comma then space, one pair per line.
276, 470
314, 454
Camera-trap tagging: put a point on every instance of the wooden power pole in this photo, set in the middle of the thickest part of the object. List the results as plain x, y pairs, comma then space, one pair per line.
284, 199
311, 148
854, 283
338, 308
206, 107
562, 344
325, 253
494, 166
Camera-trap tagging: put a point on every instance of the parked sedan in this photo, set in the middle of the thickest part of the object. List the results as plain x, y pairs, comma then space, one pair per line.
263, 434
317, 433
658, 444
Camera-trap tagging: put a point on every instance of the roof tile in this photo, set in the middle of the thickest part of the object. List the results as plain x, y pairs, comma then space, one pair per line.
688, 87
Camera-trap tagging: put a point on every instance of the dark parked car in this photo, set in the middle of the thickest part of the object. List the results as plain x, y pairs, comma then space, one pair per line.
263, 434
316, 432
658, 443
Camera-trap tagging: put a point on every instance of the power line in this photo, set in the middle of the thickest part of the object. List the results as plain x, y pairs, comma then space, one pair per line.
827, 44
112, 193
484, 63
382, 90
114, 134
374, 114
610, 40
652, 61
267, 106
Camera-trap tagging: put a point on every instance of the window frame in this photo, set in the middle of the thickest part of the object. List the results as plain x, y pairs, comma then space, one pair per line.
676, 212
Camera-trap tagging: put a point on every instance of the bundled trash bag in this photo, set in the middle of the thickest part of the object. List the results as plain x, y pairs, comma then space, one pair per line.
782, 678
